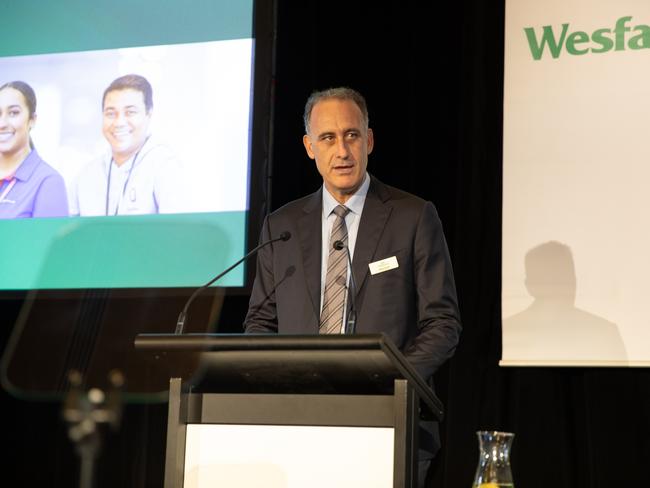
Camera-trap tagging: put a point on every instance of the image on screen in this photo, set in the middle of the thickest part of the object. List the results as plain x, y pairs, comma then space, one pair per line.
195, 134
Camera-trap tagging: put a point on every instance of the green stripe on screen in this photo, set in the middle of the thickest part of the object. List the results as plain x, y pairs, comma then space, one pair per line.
45, 26
184, 250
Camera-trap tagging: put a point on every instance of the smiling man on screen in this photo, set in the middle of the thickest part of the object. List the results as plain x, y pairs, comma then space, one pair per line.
138, 175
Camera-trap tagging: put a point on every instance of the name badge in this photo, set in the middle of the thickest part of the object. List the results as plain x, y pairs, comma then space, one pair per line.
383, 265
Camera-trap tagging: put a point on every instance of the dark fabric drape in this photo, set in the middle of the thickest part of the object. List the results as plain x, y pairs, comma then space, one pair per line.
432, 74
433, 77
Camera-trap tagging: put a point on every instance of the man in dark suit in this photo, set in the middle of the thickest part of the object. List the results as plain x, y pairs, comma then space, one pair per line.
400, 262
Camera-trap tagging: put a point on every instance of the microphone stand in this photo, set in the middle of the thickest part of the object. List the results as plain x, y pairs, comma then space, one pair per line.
180, 323
351, 322
85, 412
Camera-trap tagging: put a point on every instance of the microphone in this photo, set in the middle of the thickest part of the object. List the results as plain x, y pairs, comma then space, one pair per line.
180, 323
351, 322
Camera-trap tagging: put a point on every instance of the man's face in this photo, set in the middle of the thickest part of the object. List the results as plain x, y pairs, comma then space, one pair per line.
126, 122
340, 143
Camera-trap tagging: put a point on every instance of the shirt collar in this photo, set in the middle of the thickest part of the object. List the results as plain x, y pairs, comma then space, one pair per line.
128, 164
354, 203
28, 166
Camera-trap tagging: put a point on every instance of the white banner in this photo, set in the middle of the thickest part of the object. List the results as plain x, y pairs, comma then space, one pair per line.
576, 183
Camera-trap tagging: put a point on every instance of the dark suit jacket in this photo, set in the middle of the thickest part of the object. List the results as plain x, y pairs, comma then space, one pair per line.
414, 304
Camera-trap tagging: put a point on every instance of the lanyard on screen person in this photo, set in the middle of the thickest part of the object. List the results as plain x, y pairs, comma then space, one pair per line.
11, 181
126, 183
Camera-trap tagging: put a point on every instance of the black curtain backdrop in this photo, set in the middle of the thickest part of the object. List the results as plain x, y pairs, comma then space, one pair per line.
432, 74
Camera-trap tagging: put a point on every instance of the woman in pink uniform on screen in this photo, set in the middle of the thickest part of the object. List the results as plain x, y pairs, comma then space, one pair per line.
29, 187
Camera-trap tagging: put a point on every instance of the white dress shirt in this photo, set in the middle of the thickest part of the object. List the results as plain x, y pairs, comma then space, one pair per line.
355, 204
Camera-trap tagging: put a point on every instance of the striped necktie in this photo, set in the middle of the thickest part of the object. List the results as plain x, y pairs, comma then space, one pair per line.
336, 280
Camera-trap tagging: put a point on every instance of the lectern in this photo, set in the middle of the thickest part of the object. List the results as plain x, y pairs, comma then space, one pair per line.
285, 411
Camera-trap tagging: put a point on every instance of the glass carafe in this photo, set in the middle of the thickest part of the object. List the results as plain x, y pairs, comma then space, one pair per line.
493, 469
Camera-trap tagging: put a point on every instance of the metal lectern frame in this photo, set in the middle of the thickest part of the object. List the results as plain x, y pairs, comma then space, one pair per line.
358, 380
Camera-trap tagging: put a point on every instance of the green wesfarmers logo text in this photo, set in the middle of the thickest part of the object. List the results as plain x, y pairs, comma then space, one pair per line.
620, 38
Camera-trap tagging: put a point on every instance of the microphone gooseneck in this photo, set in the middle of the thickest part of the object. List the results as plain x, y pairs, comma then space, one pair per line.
180, 323
351, 322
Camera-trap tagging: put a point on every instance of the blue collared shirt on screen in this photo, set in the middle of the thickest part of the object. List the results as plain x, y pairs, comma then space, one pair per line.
35, 190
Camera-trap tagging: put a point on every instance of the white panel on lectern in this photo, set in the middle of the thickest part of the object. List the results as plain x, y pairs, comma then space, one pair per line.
277, 456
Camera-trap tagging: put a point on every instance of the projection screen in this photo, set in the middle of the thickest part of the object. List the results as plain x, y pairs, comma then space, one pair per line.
174, 212
575, 183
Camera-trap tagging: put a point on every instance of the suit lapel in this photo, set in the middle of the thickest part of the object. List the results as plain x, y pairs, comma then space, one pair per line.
375, 214
310, 228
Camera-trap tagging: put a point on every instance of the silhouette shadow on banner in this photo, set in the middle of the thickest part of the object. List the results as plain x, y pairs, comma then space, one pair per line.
552, 328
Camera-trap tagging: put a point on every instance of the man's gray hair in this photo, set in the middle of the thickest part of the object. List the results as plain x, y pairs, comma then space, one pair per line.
340, 93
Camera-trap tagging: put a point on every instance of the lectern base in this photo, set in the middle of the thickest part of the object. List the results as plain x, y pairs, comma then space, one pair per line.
293, 411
